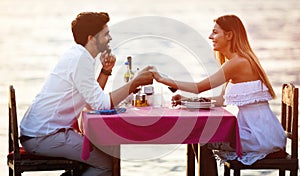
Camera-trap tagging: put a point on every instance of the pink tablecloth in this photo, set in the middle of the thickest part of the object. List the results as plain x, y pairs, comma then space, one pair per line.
161, 126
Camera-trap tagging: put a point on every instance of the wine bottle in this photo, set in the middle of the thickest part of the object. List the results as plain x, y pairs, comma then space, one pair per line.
127, 75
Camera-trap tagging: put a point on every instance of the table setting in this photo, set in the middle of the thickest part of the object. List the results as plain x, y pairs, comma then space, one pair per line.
145, 118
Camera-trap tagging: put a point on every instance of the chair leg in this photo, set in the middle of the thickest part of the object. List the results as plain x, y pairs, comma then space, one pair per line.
16, 173
190, 169
237, 172
76, 172
208, 164
294, 173
10, 171
226, 171
281, 172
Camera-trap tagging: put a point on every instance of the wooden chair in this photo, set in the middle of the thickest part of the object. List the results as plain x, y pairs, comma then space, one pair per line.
289, 121
19, 161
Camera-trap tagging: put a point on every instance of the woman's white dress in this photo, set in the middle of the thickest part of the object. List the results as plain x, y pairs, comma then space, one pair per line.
260, 130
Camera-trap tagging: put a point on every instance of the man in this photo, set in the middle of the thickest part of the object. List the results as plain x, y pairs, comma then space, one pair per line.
46, 128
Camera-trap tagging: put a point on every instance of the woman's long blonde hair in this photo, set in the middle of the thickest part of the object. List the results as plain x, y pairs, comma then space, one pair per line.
241, 46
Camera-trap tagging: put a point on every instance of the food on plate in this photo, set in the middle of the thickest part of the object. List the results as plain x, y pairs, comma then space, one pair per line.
194, 99
197, 99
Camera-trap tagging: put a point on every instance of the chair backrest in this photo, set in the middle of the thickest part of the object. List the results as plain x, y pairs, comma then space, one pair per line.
289, 115
13, 124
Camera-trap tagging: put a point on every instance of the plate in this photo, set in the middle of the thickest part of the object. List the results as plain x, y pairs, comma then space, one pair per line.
198, 105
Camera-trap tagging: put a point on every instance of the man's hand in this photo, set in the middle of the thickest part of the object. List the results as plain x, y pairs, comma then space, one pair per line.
144, 77
107, 60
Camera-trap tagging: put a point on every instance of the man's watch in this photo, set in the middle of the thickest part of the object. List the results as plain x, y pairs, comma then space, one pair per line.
106, 72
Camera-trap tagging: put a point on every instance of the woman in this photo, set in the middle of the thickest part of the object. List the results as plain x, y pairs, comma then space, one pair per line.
247, 87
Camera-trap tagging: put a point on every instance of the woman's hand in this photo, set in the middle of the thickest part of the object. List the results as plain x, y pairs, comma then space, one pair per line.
156, 74
176, 99
107, 60
219, 100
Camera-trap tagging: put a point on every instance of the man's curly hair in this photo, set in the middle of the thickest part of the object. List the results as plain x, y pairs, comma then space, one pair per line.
88, 23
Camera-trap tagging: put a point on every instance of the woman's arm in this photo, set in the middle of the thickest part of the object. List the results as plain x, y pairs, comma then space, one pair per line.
212, 81
228, 71
220, 98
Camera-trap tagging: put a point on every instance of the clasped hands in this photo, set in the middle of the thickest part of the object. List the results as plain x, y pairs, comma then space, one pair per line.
146, 76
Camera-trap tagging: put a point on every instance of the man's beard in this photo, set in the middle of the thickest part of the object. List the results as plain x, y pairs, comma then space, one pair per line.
102, 47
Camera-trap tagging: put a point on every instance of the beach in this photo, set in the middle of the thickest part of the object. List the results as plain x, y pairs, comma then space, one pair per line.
36, 33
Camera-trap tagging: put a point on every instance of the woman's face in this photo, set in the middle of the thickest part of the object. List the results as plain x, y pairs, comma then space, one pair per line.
218, 38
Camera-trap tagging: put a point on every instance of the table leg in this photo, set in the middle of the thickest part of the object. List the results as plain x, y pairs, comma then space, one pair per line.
117, 162
199, 161
116, 167
190, 169
206, 162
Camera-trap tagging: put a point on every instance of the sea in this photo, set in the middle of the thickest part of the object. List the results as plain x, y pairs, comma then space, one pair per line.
170, 35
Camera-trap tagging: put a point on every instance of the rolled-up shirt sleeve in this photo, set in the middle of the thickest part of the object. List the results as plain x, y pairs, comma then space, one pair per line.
86, 84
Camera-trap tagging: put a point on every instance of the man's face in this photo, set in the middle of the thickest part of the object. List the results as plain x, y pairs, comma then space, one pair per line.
102, 39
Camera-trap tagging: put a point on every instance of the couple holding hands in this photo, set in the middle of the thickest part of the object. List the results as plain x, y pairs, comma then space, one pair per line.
72, 86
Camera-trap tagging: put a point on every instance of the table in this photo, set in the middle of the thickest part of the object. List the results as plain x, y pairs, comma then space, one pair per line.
164, 125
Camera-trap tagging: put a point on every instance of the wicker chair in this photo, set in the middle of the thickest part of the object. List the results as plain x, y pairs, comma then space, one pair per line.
19, 161
289, 121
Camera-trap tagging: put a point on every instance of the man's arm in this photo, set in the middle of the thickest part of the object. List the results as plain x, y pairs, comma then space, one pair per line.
144, 77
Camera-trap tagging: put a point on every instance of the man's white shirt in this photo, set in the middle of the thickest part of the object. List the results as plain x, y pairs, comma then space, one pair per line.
68, 89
